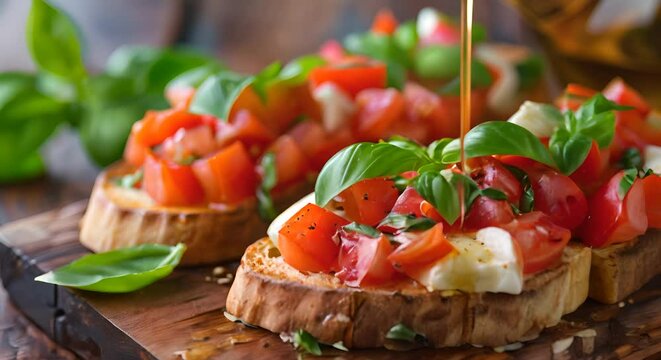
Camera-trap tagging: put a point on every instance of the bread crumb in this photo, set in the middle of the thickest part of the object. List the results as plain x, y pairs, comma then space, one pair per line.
562, 345
621, 304
223, 281
218, 271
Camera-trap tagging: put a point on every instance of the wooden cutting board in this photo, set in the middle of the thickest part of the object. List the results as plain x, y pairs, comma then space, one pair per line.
182, 315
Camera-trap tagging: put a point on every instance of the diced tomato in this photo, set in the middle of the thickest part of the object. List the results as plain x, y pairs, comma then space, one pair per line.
408, 203
283, 104
248, 129
180, 97
187, 143
485, 212
229, 176
332, 51
364, 260
488, 172
384, 22
317, 144
612, 219
171, 184
369, 201
291, 164
541, 241
306, 240
135, 152
449, 124
351, 78
622, 94
420, 250
574, 96
588, 176
652, 185
378, 109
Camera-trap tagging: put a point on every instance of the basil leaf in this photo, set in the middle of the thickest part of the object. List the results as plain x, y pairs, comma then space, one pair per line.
626, 182
18, 169
408, 144
52, 39
631, 158
218, 93
403, 333
569, 151
362, 229
265, 205
527, 202
193, 78
340, 346
403, 222
264, 78
296, 71
437, 62
493, 193
406, 36
303, 340
596, 105
363, 161
480, 78
442, 194
435, 149
131, 180
498, 138
118, 271
600, 127
530, 71
384, 48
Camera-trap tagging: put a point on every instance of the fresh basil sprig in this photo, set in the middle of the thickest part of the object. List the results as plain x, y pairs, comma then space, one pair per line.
631, 158
304, 341
362, 229
402, 332
527, 202
498, 138
630, 176
118, 271
404, 222
129, 181
218, 93
364, 161
571, 141
269, 180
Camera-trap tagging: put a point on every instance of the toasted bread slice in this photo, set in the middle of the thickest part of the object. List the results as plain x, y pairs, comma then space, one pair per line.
271, 294
619, 270
118, 217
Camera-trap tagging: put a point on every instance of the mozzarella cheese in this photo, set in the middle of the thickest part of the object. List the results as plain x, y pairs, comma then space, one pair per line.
336, 106
280, 221
540, 119
652, 156
502, 95
427, 22
489, 262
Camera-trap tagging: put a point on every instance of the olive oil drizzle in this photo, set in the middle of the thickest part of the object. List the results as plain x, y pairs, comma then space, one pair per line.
465, 88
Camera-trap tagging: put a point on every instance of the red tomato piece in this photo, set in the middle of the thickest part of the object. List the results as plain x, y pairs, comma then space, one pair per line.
652, 185
171, 184
229, 176
541, 241
384, 22
317, 144
574, 96
488, 172
622, 94
364, 260
558, 196
449, 125
180, 97
485, 212
291, 164
420, 250
187, 143
351, 78
612, 219
248, 129
369, 201
378, 109
408, 203
588, 176
332, 51
306, 241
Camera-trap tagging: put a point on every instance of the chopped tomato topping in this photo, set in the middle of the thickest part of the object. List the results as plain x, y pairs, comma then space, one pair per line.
291, 164
652, 185
369, 201
485, 212
351, 78
488, 172
364, 260
420, 250
307, 240
378, 110
589, 175
384, 22
180, 97
248, 129
171, 184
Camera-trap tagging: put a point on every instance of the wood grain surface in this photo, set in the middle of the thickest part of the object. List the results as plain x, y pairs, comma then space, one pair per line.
182, 315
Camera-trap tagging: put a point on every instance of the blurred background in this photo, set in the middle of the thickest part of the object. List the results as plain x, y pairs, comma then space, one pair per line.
585, 41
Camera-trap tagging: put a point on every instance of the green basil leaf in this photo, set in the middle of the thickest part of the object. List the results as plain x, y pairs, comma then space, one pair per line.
131, 180
493, 193
52, 39
296, 71
194, 77
480, 78
118, 271
362, 229
630, 175
406, 36
527, 202
19, 169
596, 105
437, 62
384, 48
403, 222
303, 340
218, 93
57, 87
403, 333
631, 158
498, 138
265, 77
435, 149
569, 151
13, 84
530, 71
408, 144
340, 346
363, 161
441, 193
265, 204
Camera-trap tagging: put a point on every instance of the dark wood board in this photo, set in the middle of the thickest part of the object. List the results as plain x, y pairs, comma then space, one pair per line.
182, 315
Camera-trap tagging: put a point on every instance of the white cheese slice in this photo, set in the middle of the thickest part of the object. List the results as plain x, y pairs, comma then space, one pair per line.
540, 119
487, 263
427, 22
336, 106
652, 156
280, 221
